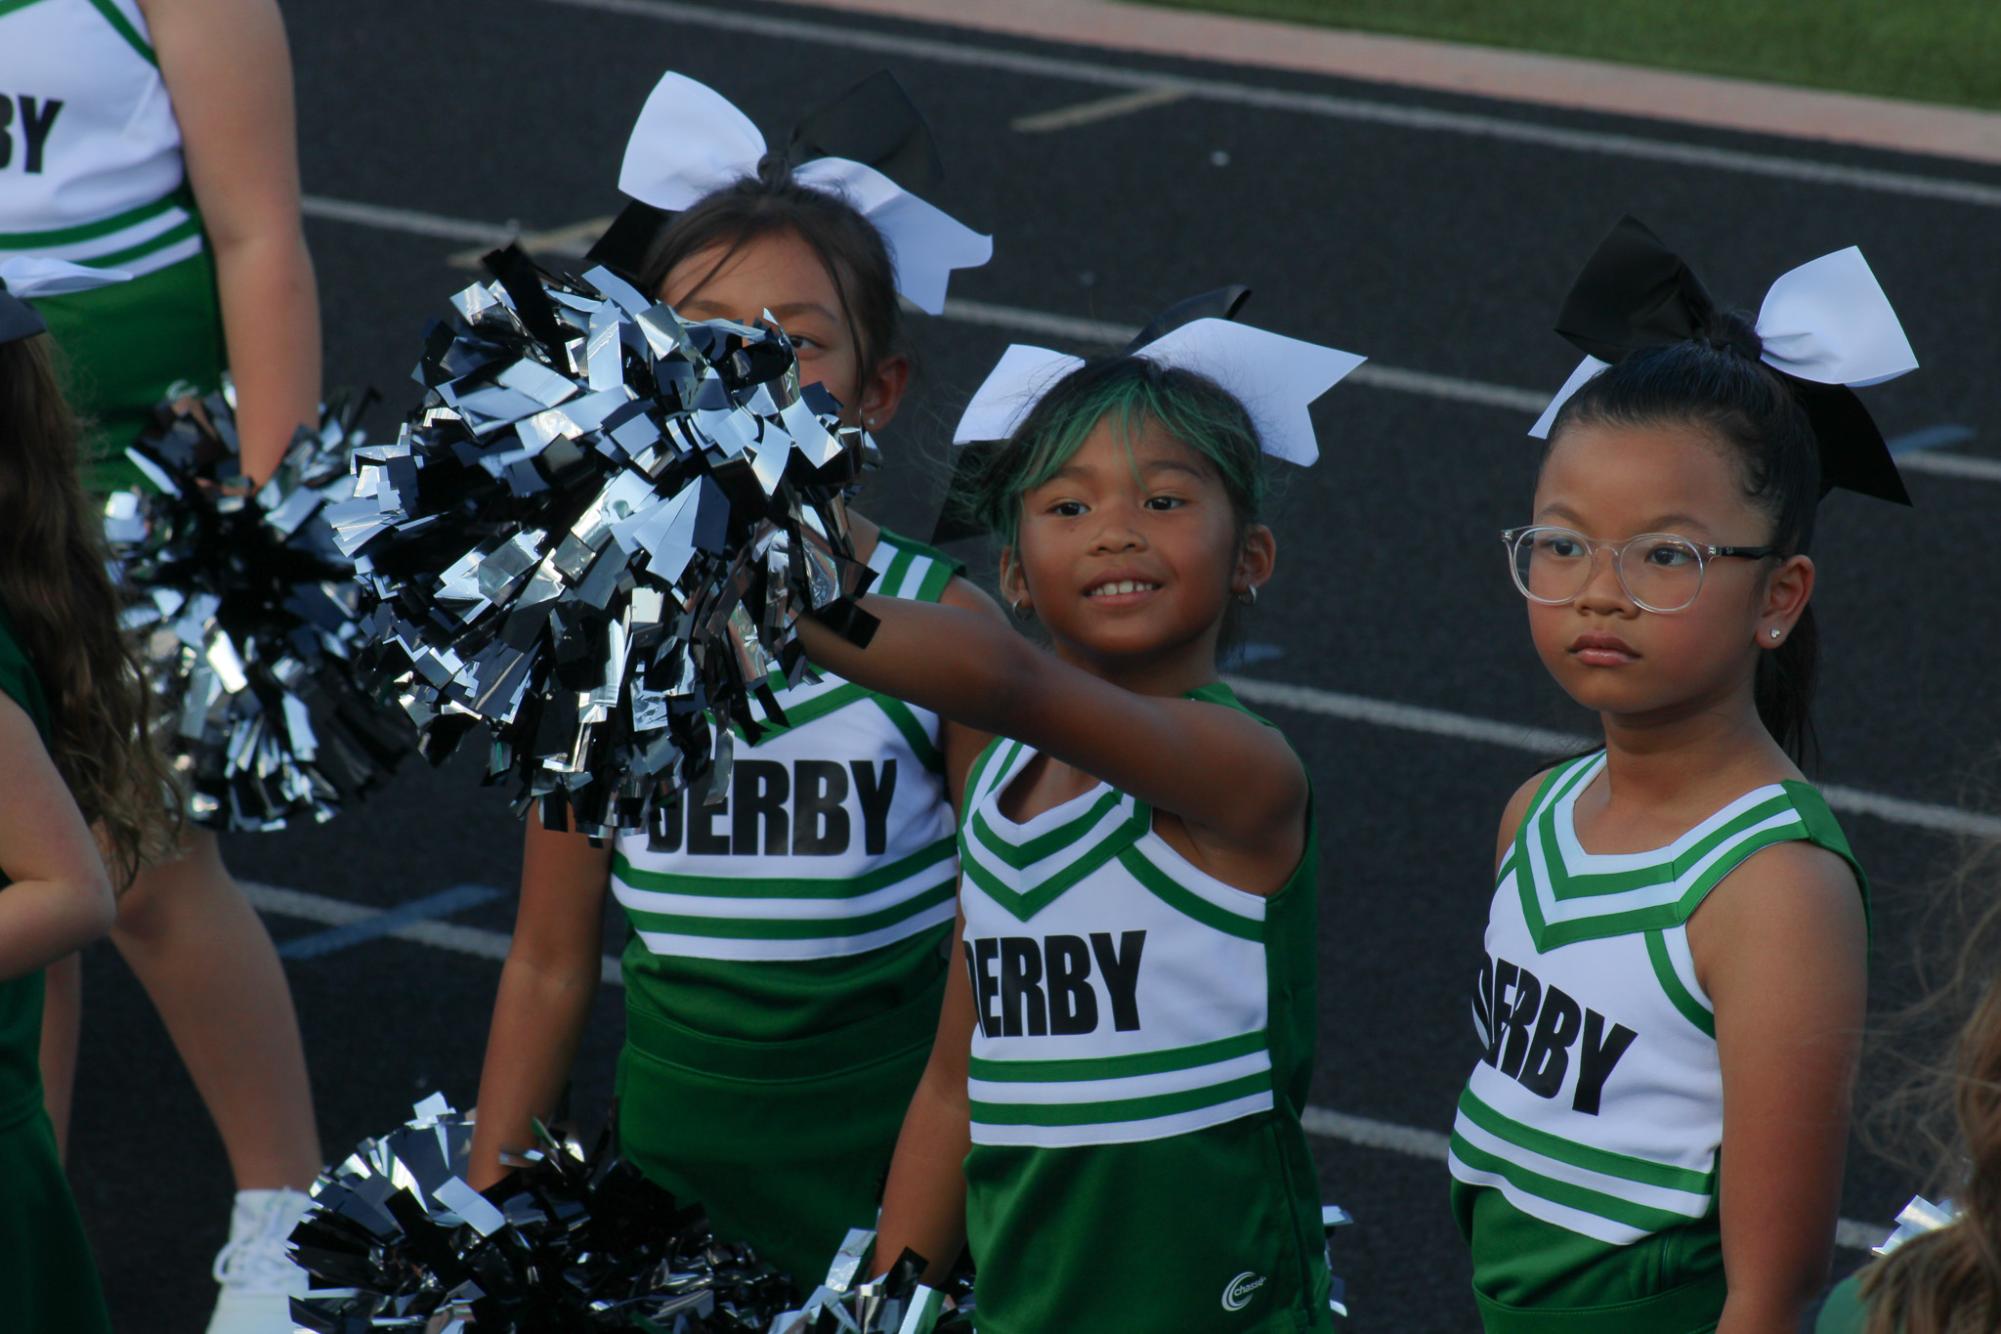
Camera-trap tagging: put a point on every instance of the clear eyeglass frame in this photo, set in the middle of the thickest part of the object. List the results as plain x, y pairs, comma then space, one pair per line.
1703, 552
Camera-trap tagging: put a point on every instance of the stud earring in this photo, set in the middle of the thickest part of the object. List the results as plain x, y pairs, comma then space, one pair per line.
1775, 632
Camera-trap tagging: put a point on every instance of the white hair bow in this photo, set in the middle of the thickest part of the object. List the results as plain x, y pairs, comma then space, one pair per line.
1273, 376
689, 142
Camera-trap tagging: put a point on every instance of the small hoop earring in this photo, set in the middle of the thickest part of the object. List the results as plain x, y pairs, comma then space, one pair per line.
1249, 597
1022, 611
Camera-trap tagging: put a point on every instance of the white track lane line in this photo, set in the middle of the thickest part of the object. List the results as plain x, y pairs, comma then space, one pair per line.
1546, 742
478, 942
1044, 324
967, 50
1098, 109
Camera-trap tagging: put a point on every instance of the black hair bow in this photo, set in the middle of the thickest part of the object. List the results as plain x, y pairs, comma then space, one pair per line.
1634, 293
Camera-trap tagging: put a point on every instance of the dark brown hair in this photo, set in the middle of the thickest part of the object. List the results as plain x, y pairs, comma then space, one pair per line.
61, 602
854, 253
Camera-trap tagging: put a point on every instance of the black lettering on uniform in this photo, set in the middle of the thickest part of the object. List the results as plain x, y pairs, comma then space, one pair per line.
1549, 1054
758, 792
1120, 968
6, 139
703, 838
1073, 1001
663, 834
973, 982
1505, 974
1600, 1052
1022, 1007
874, 792
37, 116
819, 819
1521, 1021
1483, 1006
981, 953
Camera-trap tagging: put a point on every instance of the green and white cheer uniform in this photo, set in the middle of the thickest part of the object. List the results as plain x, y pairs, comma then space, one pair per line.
91, 171
787, 961
1584, 1155
1143, 1045
48, 1280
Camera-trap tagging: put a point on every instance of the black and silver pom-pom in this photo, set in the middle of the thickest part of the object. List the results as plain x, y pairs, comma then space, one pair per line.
570, 1242
595, 536
894, 1302
243, 611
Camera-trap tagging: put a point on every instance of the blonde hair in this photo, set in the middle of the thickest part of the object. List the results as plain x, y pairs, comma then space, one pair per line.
1949, 1281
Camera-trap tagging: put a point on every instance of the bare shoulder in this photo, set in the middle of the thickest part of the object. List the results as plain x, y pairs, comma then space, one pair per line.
1789, 919
1793, 891
1516, 811
966, 595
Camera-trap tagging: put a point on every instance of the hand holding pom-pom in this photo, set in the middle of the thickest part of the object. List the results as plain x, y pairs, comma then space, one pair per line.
595, 536
571, 1242
244, 612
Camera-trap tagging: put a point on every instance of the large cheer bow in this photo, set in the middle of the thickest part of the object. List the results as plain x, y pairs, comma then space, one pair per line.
1273, 376
1826, 327
690, 141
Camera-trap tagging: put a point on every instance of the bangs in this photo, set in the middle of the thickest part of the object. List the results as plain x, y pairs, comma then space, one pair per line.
1132, 393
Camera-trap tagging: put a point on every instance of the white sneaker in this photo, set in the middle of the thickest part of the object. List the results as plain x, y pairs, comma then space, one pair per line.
258, 1279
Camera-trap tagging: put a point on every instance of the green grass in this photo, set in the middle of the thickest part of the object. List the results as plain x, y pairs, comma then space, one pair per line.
1946, 51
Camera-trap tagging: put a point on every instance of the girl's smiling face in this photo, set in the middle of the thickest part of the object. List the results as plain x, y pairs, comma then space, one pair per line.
1612, 482
1131, 550
780, 272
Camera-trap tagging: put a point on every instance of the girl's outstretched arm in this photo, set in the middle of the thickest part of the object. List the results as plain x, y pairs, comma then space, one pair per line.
59, 898
924, 1202
226, 65
1214, 768
963, 744
554, 964
1780, 947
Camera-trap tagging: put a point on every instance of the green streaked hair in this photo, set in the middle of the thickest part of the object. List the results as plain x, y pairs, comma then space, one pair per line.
1132, 390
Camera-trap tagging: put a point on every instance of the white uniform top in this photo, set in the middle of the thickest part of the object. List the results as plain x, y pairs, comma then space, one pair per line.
1597, 1105
1122, 993
90, 153
837, 834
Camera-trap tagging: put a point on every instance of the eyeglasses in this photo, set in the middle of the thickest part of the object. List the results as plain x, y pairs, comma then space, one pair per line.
1660, 572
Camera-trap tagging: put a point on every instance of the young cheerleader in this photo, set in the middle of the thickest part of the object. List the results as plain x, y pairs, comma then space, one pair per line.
72, 729
155, 136
789, 945
1110, 1114
1672, 989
